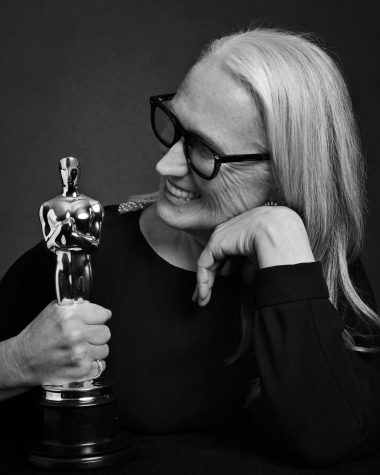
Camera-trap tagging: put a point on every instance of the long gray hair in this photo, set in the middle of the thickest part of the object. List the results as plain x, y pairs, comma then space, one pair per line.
312, 137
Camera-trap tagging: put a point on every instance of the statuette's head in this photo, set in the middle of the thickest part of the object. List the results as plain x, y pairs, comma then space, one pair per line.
69, 169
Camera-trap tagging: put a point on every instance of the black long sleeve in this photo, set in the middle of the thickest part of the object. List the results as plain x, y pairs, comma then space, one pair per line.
318, 399
168, 356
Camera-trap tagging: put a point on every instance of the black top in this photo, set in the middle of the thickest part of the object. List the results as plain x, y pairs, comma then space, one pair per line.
168, 356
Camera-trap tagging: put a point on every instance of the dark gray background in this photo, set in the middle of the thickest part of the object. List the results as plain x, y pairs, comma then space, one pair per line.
76, 77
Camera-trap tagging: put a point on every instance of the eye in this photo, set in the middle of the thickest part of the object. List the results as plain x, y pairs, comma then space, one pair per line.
199, 149
205, 152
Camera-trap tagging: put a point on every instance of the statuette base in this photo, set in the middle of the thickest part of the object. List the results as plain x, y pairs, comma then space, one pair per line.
79, 430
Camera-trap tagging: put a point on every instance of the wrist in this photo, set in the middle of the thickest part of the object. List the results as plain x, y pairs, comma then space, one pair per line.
283, 240
14, 371
283, 284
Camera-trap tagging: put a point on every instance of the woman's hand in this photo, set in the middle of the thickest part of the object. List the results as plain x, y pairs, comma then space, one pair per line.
62, 344
275, 234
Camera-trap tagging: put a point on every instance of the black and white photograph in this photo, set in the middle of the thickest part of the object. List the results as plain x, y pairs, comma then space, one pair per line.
189, 275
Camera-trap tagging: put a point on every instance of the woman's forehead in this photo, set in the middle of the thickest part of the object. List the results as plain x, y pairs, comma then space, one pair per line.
210, 99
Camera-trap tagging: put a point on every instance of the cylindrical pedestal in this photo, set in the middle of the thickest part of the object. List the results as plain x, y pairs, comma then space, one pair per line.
79, 429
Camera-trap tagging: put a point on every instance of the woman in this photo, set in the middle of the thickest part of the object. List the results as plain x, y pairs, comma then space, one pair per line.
281, 336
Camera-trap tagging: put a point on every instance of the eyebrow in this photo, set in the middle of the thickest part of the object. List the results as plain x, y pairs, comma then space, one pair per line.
199, 135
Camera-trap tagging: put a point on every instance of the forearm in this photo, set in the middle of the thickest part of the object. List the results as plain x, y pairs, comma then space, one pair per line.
309, 402
278, 244
311, 399
13, 379
84, 242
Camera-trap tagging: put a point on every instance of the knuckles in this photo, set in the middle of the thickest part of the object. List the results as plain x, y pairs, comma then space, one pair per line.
83, 371
78, 355
71, 333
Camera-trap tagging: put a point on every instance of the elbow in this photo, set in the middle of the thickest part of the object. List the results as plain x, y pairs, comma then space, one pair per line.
317, 457
317, 452
313, 445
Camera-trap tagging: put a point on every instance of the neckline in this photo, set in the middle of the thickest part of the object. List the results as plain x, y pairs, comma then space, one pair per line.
162, 259
153, 251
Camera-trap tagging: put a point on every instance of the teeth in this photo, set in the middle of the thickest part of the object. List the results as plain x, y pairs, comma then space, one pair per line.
181, 194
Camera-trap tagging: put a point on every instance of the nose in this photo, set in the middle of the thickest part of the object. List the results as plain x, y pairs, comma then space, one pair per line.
173, 163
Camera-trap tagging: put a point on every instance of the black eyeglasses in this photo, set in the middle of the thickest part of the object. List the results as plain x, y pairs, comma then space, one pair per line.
201, 158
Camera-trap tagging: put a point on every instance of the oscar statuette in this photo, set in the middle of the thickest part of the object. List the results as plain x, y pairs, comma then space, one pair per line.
78, 421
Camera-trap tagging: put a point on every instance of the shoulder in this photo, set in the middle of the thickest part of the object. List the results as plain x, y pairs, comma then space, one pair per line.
120, 236
32, 263
128, 211
119, 226
26, 288
124, 217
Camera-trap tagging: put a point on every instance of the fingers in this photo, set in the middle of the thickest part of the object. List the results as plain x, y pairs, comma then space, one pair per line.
83, 362
88, 313
204, 287
98, 368
94, 314
98, 352
64, 341
207, 268
97, 334
234, 237
195, 296
85, 372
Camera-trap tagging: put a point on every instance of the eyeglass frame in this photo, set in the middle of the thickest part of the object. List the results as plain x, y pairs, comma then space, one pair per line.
180, 131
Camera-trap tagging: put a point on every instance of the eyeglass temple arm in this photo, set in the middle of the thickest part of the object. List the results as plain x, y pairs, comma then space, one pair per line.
255, 157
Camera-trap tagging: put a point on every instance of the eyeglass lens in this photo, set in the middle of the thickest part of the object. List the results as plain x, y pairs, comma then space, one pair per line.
164, 127
200, 156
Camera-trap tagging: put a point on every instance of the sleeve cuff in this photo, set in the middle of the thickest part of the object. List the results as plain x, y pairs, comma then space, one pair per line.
289, 283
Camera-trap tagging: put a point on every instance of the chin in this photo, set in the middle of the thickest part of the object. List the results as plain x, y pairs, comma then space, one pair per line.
186, 216
174, 216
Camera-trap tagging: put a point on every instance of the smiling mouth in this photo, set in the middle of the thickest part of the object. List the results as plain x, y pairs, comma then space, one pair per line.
181, 193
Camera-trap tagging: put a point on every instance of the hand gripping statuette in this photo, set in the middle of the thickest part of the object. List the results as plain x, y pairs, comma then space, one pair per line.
79, 428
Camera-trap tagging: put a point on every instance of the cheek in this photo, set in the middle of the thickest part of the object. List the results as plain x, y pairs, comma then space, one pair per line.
231, 193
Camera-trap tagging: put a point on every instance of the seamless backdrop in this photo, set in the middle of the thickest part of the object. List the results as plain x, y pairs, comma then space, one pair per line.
76, 76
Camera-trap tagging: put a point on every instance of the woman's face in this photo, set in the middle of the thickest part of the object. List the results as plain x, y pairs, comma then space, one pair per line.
217, 108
